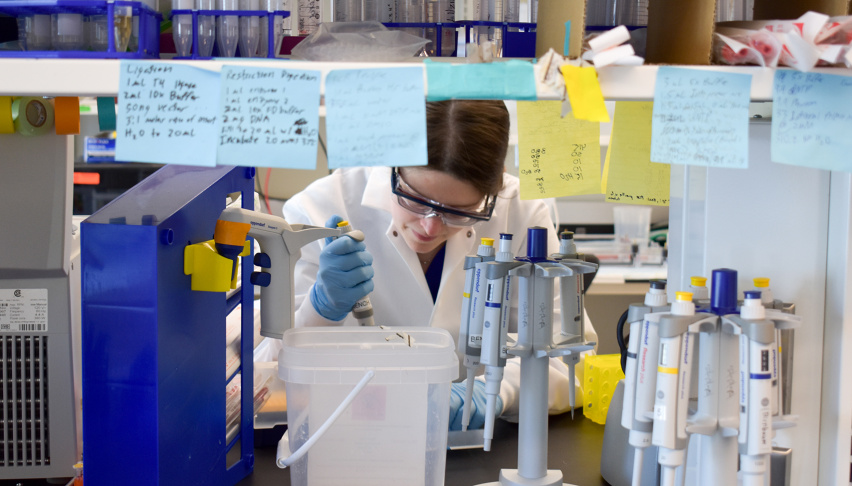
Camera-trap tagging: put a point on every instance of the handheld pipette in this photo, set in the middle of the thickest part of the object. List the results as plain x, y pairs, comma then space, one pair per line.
281, 244
495, 328
471, 353
227, 29
639, 425
249, 29
674, 379
362, 311
757, 341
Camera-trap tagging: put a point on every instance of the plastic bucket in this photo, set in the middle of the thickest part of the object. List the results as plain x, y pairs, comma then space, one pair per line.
394, 431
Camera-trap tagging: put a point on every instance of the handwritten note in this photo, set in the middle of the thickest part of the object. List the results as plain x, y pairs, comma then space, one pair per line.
812, 120
631, 176
557, 156
269, 117
585, 94
509, 80
700, 118
375, 117
166, 114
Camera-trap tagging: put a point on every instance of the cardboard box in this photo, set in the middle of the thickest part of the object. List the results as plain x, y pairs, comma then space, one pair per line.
550, 26
682, 32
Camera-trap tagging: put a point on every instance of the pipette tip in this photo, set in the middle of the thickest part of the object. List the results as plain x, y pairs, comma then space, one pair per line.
486, 445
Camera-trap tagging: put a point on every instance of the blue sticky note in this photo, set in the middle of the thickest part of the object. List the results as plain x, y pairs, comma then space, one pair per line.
268, 117
509, 80
700, 118
812, 120
375, 117
166, 114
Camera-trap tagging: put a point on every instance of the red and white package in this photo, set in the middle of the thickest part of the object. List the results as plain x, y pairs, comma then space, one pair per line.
740, 46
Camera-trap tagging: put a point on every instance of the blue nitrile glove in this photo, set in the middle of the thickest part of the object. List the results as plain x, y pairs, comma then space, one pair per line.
345, 276
477, 409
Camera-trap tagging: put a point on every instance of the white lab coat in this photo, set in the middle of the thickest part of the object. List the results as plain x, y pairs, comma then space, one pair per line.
401, 296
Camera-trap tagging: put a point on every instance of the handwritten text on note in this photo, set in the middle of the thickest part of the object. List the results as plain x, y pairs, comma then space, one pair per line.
700, 118
376, 117
557, 156
268, 117
812, 120
166, 114
631, 176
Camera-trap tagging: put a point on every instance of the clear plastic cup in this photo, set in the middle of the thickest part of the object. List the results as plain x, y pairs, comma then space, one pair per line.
632, 224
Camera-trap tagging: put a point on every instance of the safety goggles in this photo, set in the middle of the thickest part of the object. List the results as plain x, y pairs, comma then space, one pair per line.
417, 204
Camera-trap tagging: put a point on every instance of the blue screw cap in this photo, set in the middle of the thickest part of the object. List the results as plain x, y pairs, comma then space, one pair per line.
723, 294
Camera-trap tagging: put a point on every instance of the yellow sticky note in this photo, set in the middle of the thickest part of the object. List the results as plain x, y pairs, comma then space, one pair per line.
632, 178
585, 94
557, 156
605, 175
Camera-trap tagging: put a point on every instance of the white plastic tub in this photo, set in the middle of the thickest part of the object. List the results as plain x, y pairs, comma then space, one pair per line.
394, 432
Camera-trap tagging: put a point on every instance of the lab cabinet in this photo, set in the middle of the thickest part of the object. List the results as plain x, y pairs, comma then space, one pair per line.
789, 223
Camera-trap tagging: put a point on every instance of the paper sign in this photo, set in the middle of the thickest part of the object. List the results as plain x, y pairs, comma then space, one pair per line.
701, 118
166, 114
812, 120
632, 178
585, 94
268, 117
375, 117
557, 156
508, 80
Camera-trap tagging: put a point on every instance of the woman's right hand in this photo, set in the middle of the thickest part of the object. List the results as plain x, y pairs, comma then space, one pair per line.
345, 276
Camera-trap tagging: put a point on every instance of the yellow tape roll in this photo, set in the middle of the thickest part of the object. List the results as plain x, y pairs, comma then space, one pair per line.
67, 115
33, 116
6, 123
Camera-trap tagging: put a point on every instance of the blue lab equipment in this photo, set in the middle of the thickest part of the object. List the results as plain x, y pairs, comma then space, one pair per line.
153, 350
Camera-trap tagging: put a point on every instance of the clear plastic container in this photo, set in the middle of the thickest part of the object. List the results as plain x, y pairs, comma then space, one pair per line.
632, 224
67, 31
411, 11
35, 31
97, 35
310, 16
395, 429
347, 10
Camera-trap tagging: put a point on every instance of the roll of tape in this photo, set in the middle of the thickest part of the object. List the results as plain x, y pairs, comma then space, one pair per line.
106, 114
7, 125
67, 115
32, 116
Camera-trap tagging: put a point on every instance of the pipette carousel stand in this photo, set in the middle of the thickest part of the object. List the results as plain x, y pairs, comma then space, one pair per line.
535, 346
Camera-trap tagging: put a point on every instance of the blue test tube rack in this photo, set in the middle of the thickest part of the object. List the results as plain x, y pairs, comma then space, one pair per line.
149, 27
153, 349
270, 19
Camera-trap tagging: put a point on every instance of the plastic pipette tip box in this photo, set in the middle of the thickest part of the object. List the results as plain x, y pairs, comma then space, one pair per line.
601, 373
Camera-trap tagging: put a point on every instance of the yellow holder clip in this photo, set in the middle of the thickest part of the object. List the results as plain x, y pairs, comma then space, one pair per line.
210, 271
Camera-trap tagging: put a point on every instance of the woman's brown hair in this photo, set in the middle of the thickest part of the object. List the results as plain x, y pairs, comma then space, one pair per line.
468, 140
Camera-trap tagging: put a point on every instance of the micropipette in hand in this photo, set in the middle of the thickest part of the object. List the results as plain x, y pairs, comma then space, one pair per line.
362, 311
474, 285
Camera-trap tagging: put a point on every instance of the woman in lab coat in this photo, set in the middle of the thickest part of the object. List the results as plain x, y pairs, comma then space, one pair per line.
419, 224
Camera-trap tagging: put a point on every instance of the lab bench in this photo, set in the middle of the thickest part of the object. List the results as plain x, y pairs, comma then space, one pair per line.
574, 447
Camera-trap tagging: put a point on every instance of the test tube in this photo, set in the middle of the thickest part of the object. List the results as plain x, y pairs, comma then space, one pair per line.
441, 11
123, 25
379, 10
96, 33
34, 32
277, 28
227, 29
347, 10
249, 29
182, 28
206, 28
67, 31
310, 16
